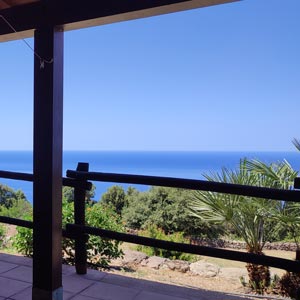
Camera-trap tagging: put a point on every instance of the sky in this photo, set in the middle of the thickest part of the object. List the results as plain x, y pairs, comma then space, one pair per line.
221, 78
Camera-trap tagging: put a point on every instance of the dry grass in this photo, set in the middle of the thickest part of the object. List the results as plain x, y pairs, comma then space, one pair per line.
224, 263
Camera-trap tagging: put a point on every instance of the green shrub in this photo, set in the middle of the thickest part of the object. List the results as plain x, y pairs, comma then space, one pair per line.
22, 241
99, 250
2, 235
167, 208
14, 204
154, 232
18, 209
68, 194
116, 198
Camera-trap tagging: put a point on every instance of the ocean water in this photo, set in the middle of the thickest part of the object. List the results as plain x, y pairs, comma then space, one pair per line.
172, 164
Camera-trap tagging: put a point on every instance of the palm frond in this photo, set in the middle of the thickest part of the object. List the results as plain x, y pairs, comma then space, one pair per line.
274, 175
296, 143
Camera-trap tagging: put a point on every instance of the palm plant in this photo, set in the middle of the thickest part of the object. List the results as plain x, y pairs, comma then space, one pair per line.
288, 217
248, 216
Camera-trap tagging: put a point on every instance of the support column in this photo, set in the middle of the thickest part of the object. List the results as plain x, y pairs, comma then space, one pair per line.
47, 164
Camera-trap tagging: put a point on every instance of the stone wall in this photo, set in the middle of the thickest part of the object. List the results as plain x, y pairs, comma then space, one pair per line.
220, 243
134, 260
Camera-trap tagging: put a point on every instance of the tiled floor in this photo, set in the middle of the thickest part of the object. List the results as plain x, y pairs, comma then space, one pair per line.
15, 284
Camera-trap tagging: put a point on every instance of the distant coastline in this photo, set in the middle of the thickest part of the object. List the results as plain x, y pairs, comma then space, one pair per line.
182, 164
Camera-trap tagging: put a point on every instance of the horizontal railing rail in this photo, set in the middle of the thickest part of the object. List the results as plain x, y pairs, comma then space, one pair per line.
16, 175
28, 224
192, 184
29, 177
17, 222
292, 266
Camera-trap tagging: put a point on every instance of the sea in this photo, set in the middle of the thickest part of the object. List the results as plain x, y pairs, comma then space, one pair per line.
180, 164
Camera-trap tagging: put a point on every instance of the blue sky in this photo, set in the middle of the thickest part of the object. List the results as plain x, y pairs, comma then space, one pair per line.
221, 78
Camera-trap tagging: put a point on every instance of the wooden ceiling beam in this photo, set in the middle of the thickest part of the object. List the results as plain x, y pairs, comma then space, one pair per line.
9, 3
4, 4
76, 14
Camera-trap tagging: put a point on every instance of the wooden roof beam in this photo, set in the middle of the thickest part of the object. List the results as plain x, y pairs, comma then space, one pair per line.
76, 14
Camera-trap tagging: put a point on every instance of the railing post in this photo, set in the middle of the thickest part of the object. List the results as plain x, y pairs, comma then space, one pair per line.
297, 183
79, 216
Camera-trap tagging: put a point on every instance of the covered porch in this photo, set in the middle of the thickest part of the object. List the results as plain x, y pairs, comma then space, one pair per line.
45, 277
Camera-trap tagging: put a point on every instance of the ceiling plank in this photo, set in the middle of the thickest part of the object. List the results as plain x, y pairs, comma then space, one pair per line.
4, 4
9, 3
75, 14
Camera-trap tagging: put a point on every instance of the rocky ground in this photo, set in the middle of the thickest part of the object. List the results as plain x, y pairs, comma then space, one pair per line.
200, 274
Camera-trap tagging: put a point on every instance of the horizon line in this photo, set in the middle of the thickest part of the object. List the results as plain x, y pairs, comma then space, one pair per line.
152, 150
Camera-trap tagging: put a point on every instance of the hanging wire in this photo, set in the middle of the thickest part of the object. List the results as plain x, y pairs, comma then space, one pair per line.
42, 60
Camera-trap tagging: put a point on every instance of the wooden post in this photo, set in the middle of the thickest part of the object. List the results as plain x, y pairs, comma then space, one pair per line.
47, 185
297, 183
79, 216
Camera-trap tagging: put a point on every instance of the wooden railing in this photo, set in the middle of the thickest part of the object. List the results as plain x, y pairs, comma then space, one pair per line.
79, 231
79, 179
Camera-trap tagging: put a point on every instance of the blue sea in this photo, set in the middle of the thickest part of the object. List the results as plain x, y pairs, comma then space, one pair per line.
172, 164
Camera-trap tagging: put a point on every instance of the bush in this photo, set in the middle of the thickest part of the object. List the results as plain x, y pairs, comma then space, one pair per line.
9, 196
138, 210
68, 194
23, 241
115, 197
2, 235
167, 208
99, 251
18, 209
14, 204
157, 233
